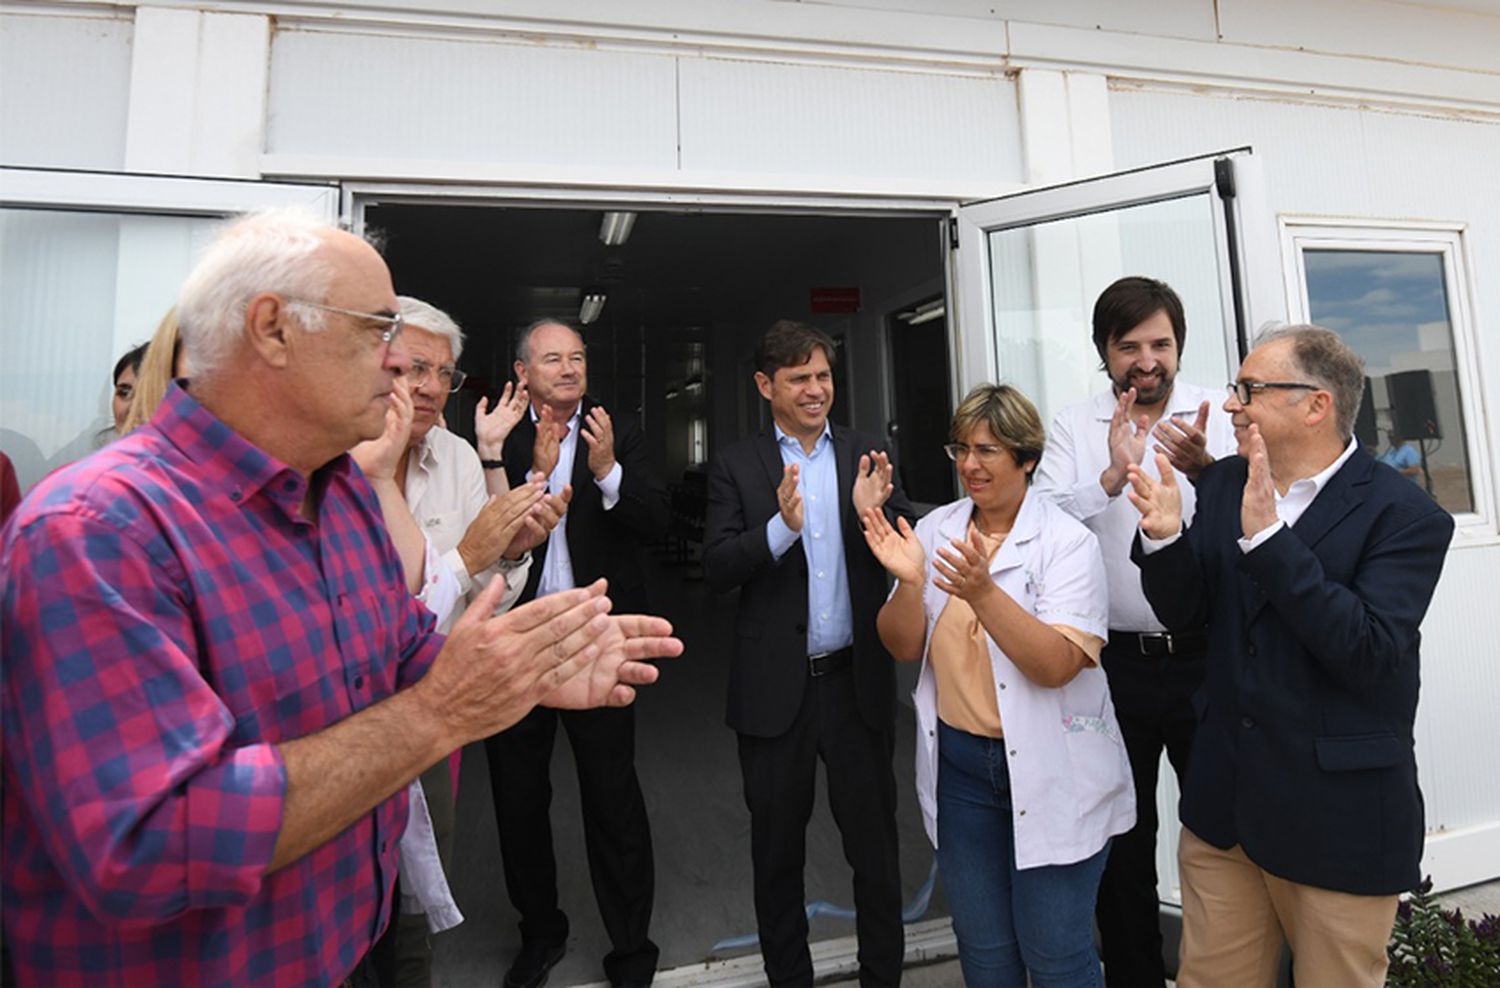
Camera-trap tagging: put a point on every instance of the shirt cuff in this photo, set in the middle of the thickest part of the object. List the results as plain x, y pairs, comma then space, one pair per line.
440, 589
235, 804
1150, 545
455, 565
779, 537
1247, 545
609, 487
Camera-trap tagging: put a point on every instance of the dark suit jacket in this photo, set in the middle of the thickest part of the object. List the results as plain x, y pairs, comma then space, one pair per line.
1304, 753
601, 543
768, 669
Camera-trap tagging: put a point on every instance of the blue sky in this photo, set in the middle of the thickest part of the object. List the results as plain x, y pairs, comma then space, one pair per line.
1376, 300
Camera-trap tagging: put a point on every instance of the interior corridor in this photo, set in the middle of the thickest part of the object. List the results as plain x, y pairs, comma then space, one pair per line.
700, 828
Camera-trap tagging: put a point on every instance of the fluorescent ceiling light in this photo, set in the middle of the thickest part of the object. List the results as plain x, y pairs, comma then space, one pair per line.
926, 312
615, 229
593, 304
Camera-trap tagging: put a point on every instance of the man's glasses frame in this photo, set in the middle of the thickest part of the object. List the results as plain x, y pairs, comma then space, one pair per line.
1245, 390
393, 324
454, 377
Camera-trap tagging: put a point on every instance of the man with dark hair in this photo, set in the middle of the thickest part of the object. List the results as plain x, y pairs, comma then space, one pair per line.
617, 502
1301, 816
1139, 331
809, 677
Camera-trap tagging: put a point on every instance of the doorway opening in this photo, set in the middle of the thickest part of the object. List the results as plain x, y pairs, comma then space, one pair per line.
673, 311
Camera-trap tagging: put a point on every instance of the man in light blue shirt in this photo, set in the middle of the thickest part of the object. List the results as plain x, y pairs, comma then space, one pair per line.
809, 678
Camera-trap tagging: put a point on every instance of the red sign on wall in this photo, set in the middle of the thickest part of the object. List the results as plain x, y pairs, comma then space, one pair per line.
833, 299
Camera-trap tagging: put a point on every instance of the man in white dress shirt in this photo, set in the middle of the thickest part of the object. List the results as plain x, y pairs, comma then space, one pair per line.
1139, 330
449, 493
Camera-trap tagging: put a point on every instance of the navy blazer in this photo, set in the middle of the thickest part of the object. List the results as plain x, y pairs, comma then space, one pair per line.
1304, 752
601, 543
768, 670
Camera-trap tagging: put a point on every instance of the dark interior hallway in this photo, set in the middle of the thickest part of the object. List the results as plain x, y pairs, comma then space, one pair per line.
690, 773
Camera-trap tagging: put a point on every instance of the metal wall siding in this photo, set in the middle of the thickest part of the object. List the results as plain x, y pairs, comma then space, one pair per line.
427, 99
64, 89
782, 119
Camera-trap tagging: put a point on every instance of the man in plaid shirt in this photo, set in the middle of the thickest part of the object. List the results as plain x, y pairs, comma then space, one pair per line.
216, 686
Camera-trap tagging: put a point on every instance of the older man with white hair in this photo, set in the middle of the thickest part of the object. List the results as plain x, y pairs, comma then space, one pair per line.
217, 684
462, 505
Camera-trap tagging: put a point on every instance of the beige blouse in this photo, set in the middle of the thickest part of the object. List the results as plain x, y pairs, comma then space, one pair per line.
960, 656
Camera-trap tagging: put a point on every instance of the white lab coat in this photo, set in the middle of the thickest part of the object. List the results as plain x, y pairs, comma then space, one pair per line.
1070, 778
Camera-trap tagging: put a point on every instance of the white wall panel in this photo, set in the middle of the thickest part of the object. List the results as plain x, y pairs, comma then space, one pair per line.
64, 85
197, 93
1380, 165
804, 120
1397, 31
1170, 18
428, 99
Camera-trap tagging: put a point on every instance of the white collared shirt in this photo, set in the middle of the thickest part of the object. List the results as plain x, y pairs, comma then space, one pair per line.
1289, 506
445, 492
1298, 498
1071, 786
557, 567
1078, 452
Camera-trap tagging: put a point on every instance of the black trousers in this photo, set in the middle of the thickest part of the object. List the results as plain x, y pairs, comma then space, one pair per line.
779, 775
1153, 698
617, 834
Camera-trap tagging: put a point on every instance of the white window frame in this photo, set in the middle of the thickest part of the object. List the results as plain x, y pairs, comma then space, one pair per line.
1300, 233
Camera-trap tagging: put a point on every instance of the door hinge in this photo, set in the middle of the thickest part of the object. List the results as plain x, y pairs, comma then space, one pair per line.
953, 233
1224, 178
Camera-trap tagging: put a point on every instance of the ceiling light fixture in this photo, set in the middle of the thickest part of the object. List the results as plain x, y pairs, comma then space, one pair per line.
615, 229
926, 312
593, 304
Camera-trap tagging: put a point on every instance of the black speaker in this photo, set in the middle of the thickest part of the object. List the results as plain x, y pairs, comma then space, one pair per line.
1413, 411
1364, 421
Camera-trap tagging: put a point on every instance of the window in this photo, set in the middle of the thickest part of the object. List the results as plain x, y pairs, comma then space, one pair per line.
89, 262
1399, 297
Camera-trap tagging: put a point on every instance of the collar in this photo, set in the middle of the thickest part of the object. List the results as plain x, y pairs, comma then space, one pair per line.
1178, 403
1320, 480
784, 437
229, 462
577, 413
1027, 526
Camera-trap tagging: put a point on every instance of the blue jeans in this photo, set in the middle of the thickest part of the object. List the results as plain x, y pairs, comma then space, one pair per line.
1009, 921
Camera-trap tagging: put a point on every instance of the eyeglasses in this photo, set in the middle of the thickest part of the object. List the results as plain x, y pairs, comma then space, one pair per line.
987, 452
393, 323
1245, 390
448, 376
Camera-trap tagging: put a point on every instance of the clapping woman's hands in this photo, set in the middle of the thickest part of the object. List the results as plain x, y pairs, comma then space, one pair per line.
897, 549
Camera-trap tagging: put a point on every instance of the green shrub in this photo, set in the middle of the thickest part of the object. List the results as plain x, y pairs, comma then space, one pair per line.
1433, 947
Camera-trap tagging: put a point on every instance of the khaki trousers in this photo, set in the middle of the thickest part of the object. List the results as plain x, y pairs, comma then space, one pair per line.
1235, 914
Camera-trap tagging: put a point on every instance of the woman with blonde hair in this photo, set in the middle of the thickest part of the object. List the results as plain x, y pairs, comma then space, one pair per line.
1022, 776
164, 361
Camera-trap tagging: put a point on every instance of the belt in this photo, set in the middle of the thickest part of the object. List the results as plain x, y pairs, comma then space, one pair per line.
830, 662
1158, 642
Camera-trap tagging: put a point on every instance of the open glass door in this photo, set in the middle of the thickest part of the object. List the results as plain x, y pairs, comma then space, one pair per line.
89, 263
1029, 267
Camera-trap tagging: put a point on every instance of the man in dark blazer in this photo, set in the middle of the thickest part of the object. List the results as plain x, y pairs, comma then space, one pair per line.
616, 502
1313, 566
808, 676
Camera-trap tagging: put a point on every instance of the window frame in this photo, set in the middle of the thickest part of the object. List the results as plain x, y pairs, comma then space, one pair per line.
1449, 240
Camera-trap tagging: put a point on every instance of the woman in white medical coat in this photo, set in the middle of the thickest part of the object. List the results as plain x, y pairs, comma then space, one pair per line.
1021, 773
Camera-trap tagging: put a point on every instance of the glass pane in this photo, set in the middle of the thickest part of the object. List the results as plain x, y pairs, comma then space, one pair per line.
1392, 308
1046, 276
80, 289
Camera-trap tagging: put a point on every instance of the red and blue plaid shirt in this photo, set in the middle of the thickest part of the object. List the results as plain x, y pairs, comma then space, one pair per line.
166, 619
